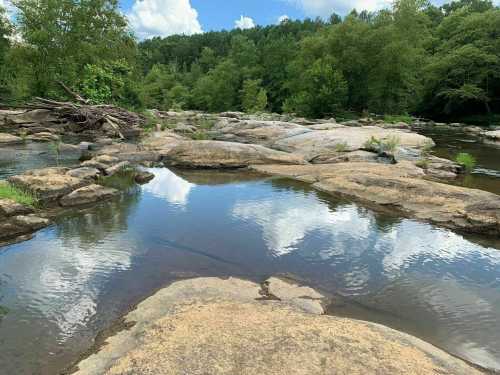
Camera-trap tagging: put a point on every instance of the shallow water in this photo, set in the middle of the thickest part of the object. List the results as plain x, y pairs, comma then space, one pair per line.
451, 141
20, 158
77, 276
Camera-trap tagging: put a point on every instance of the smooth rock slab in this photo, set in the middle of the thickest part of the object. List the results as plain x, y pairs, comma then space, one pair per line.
214, 326
87, 195
216, 154
401, 186
325, 142
262, 133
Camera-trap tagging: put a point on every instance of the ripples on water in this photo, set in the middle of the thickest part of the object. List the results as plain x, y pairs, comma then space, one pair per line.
76, 277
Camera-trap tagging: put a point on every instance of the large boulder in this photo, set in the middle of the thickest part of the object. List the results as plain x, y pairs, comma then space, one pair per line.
317, 143
215, 326
48, 184
217, 154
400, 186
256, 132
87, 195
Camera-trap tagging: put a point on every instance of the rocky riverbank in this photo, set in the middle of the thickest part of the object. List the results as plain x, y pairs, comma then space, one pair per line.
384, 165
232, 326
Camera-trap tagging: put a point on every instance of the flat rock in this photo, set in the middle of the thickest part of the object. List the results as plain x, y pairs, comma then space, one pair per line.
256, 132
303, 297
43, 137
21, 225
8, 139
49, 183
87, 195
343, 157
400, 186
84, 173
215, 326
313, 144
217, 154
114, 169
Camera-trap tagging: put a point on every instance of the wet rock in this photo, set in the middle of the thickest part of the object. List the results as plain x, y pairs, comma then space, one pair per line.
303, 297
48, 184
401, 186
215, 326
31, 222
85, 173
9, 207
87, 195
256, 132
8, 139
21, 225
216, 154
313, 144
143, 177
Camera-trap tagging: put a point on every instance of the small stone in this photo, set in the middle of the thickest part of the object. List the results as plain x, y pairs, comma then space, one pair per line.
144, 177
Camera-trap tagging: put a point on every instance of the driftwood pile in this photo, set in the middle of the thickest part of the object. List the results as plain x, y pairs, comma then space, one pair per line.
42, 115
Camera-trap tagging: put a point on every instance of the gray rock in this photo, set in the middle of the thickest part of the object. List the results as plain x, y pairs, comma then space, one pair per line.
143, 177
9, 207
8, 139
117, 168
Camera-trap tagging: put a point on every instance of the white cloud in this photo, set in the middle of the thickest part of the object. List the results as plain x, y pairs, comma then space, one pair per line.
283, 18
244, 23
150, 18
325, 8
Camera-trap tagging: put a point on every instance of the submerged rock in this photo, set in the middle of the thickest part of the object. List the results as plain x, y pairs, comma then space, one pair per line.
215, 326
217, 154
401, 186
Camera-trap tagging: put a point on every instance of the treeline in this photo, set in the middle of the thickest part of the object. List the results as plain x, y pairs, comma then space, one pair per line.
414, 58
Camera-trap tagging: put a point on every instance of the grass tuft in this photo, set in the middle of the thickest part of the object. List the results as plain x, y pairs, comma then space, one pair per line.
8, 191
466, 160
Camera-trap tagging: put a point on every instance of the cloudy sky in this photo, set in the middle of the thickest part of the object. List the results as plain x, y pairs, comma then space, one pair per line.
165, 17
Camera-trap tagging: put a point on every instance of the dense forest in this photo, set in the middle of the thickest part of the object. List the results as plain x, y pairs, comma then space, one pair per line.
441, 62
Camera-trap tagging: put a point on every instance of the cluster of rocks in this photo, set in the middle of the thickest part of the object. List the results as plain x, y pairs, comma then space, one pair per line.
233, 326
342, 159
18, 221
59, 187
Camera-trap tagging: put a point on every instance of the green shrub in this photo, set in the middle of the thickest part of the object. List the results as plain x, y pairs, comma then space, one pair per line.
8, 191
466, 160
341, 147
389, 144
393, 119
423, 163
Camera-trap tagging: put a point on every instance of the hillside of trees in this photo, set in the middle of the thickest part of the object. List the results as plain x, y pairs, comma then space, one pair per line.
440, 62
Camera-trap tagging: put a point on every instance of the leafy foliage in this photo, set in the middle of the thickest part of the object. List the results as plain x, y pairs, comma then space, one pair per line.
466, 160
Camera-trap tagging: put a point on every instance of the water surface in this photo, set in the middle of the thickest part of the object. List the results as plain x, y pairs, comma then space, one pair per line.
452, 141
77, 276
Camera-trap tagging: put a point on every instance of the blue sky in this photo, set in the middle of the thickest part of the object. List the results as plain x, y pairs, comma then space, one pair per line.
165, 17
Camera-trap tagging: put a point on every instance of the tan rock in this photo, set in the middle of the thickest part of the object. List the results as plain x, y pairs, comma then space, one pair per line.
214, 326
86, 195
400, 186
256, 132
323, 142
216, 154
8, 139
49, 183
8, 207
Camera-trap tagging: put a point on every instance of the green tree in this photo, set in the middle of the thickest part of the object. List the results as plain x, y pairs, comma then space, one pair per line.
322, 91
5, 34
253, 96
61, 37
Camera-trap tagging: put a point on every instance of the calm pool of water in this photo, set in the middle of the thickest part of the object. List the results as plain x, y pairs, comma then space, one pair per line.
451, 141
77, 276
